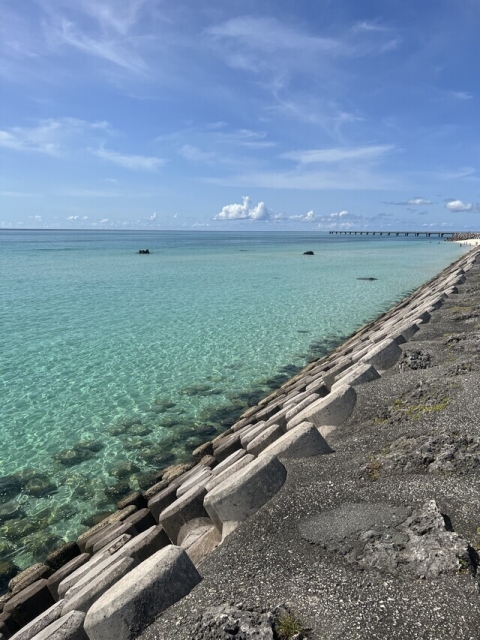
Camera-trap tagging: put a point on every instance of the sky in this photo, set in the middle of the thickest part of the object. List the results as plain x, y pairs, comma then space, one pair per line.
240, 114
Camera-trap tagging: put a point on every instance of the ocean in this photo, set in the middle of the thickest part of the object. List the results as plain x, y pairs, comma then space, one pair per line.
114, 364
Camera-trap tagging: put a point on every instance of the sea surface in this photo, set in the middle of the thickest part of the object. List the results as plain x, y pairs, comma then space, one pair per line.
114, 365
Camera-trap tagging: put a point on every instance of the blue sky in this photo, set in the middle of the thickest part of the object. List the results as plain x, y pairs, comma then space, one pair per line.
234, 114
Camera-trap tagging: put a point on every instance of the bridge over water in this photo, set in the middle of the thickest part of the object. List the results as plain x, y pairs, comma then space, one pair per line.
417, 234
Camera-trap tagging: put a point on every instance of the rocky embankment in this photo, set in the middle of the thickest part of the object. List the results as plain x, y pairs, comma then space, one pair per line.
468, 235
344, 505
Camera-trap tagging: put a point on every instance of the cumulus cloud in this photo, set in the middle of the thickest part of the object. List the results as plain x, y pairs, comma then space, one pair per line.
71, 218
458, 206
412, 202
244, 211
153, 217
103, 221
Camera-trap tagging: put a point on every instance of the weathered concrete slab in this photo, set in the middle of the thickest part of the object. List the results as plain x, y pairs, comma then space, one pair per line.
339, 367
104, 540
59, 557
227, 446
114, 545
83, 599
264, 439
130, 605
186, 508
141, 520
300, 406
69, 627
236, 466
333, 410
42, 621
29, 576
246, 491
162, 500
8, 626
358, 374
67, 569
146, 543
232, 458
30, 603
251, 434
97, 563
303, 441
136, 498
383, 356
198, 480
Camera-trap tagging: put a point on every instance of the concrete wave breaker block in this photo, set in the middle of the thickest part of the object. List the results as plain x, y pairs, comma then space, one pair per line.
251, 434
297, 408
228, 462
186, 508
339, 367
332, 410
264, 439
357, 375
226, 446
383, 356
84, 598
40, 622
145, 544
303, 441
67, 569
246, 491
29, 603
134, 602
69, 627
237, 466
198, 480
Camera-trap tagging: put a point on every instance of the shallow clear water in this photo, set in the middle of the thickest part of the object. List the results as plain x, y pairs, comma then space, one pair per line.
96, 337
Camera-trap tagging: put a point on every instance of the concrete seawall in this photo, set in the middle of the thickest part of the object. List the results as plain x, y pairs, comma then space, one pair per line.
107, 583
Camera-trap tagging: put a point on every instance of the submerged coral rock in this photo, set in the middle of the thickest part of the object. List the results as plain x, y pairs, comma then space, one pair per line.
71, 457
10, 486
123, 469
11, 510
40, 486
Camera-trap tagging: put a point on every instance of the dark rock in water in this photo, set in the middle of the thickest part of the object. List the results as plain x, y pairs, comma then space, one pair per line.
91, 521
196, 390
71, 457
193, 443
164, 404
11, 510
136, 498
118, 490
8, 570
40, 486
367, 279
308, 253
140, 430
10, 486
129, 421
58, 557
117, 430
6, 548
144, 251
169, 422
89, 445
42, 543
133, 444
24, 475
123, 469
16, 529
146, 480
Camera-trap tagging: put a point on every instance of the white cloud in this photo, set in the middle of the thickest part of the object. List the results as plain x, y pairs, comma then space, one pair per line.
153, 217
411, 202
72, 218
134, 162
103, 221
51, 137
337, 154
460, 206
244, 211
194, 154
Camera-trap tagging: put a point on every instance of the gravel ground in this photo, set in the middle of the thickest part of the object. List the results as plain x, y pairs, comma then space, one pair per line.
409, 453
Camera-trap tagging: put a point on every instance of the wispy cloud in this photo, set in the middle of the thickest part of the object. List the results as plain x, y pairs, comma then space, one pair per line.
461, 95
412, 202
51, 137
337, 154
127, 161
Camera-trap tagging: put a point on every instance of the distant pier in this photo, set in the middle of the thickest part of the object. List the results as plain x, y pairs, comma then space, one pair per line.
416, 234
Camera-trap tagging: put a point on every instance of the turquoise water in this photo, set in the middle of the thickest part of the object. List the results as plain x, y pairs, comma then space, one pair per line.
144, 357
